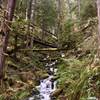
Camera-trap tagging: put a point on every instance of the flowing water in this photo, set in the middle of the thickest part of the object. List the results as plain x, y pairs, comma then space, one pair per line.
45, 88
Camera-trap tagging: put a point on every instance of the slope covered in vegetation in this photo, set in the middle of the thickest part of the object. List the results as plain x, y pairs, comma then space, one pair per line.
34, 34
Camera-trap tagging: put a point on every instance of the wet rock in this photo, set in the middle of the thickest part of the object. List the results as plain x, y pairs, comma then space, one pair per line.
54, 78
35, 92
44, 76
50, 72
63, 98
56, 93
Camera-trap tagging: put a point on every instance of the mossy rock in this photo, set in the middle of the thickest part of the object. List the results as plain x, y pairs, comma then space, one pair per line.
56, 93
35, 91
54, 78
44, 76
25, 76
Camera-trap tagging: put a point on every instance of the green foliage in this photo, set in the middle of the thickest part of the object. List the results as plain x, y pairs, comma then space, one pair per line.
21, 6
88, 9
46, 13
2, 97
69, 38
70, 69
21, 95
74, 76
75, 79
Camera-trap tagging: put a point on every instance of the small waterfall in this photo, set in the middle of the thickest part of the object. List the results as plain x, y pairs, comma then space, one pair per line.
45, 88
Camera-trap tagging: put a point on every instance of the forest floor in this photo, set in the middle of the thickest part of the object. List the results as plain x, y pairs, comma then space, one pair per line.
18, 84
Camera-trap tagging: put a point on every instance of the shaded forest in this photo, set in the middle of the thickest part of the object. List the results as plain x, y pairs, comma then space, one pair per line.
36, 35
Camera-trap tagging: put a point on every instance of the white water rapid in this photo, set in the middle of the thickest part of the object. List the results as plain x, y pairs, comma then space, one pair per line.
45, 88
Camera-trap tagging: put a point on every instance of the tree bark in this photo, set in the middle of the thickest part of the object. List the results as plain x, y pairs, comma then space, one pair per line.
59, 21
79, 7
98, 12
28, 18
1, 3
33, 8
5, 34
69, 9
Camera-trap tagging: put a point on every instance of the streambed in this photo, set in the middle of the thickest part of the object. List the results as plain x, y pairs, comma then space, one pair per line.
46, 87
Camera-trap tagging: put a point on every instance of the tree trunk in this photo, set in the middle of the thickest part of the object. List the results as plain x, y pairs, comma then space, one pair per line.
79, 7
1, 3
69, 9
33, 8
5, 34
59, 27
33, 11
98, 12
28, 18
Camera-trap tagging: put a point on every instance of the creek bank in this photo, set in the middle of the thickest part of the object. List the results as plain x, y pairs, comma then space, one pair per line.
18, 84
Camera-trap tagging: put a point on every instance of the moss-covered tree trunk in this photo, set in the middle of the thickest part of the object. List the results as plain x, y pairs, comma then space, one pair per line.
98, 12
4, 36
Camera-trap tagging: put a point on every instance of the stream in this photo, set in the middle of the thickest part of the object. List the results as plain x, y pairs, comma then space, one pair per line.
45, 88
